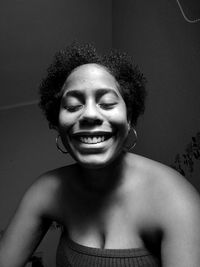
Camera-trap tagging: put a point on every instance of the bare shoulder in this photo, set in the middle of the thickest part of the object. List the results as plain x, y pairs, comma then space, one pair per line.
45, 194
33, 217
162, 177
173, 196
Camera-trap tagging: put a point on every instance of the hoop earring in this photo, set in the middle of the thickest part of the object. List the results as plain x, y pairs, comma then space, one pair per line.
129, 142
58, 147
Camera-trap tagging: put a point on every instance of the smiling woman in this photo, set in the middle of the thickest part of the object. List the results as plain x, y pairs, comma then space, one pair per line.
116, 208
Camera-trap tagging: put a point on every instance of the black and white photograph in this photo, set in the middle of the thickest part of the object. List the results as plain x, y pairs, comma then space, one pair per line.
100, 133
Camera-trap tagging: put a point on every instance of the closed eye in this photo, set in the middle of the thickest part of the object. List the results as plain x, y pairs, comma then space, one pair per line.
73, 108
107, 105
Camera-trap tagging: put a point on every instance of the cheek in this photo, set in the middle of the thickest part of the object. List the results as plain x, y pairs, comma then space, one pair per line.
119, 115
65, 124
120, 123
65, 120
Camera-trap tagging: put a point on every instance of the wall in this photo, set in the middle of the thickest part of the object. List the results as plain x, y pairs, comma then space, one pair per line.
167, 49
31, 32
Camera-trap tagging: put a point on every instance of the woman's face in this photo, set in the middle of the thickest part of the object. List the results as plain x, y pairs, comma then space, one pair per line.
93, 117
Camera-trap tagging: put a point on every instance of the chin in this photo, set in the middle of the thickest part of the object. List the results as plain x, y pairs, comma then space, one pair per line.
96, 161
93, 161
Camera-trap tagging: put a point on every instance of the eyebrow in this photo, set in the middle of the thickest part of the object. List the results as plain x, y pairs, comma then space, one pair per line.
99, 92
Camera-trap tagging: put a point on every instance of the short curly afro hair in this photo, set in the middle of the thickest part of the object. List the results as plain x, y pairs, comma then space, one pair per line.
131, 81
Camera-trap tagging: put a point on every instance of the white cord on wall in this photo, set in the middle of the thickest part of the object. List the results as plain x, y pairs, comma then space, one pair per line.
184, 15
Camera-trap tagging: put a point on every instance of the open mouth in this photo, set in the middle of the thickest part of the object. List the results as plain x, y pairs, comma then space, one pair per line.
92, 138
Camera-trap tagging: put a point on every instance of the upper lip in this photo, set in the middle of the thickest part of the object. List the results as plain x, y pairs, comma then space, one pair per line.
92, 133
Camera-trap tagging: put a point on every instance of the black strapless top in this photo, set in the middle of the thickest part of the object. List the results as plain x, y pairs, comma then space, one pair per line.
71, 254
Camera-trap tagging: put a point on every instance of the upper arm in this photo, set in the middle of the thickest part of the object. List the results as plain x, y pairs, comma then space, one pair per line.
181, 227
26, 228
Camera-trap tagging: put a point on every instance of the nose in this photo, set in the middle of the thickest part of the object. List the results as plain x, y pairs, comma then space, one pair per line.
91, 115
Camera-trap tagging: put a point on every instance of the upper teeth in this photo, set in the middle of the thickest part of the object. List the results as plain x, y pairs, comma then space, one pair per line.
92, 140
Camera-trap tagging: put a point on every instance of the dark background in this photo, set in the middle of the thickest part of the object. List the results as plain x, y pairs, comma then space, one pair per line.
155, 33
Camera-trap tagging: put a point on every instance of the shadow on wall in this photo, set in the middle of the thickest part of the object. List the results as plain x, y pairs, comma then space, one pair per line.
187, 162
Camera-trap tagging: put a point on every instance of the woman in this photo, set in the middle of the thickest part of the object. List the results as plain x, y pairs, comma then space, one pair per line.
116, 208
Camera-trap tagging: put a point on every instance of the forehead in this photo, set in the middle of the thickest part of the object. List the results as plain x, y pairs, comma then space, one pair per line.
90, 76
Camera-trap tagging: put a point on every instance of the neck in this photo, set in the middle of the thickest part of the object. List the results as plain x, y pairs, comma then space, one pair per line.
105, 179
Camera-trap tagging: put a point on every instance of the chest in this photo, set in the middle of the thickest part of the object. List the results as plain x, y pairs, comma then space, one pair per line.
110, 224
